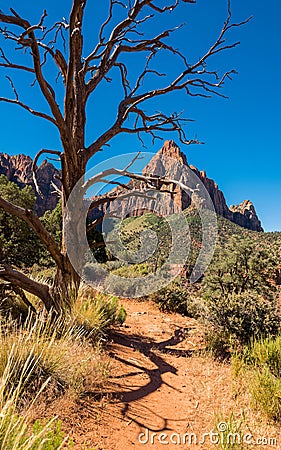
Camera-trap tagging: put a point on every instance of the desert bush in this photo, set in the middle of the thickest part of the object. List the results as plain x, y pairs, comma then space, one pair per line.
232, 321
265, 390
133, 270
95, 312
260, 365
240, 266
178, 297
240, 296
219, 343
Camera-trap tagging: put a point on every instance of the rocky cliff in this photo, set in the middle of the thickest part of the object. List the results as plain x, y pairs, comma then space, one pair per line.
18, 168
243, 214
168, 162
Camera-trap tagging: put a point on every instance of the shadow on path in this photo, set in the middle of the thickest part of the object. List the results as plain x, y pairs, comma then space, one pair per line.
119, 346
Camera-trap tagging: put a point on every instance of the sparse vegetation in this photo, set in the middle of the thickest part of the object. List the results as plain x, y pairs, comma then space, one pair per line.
95, 313
179, 296
240, 296
45, 348
16, 431
45, 357
260, 365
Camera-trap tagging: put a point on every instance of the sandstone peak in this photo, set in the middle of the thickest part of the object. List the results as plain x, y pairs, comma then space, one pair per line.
246, 204
245, 213
18, 168
171, 149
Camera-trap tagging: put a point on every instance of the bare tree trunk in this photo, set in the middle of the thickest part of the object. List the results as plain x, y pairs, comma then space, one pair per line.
66, 283
65, 288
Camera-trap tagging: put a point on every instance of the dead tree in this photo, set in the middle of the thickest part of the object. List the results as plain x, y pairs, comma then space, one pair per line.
62, 45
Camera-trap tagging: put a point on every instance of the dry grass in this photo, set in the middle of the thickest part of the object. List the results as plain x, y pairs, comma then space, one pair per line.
43, 361
15, 430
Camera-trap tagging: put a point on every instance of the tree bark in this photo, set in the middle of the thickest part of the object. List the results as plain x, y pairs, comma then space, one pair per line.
18, 279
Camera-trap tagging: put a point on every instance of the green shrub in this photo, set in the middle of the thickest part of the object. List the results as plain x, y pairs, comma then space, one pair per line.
178, 297
221, 344
236, 319
241, 266
95, 313
15, 235
133, 270
260, 364
265, 390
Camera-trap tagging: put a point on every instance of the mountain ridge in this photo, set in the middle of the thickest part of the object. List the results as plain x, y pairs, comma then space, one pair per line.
162, 165
18, 168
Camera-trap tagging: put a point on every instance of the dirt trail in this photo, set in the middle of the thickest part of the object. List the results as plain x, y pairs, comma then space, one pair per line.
158, 385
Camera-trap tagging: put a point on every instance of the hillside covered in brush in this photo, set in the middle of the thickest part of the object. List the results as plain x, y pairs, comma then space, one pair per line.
133, 227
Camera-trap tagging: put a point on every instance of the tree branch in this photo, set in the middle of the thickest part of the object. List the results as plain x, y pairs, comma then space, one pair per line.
28, 39
34, 166
195, 79
36, 225
21, 281
9, 65
29, 109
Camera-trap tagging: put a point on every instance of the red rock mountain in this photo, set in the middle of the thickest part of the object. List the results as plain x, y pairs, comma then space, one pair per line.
243, 214
18, 169
163, 164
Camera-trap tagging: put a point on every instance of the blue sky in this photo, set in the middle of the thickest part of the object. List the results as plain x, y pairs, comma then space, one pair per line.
242, 150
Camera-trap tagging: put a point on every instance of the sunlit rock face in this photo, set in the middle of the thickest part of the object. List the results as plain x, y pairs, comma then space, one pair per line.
168, 162
18, 168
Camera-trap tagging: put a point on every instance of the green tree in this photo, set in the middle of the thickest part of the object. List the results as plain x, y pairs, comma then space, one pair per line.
19, 244
240, 296
240, 266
